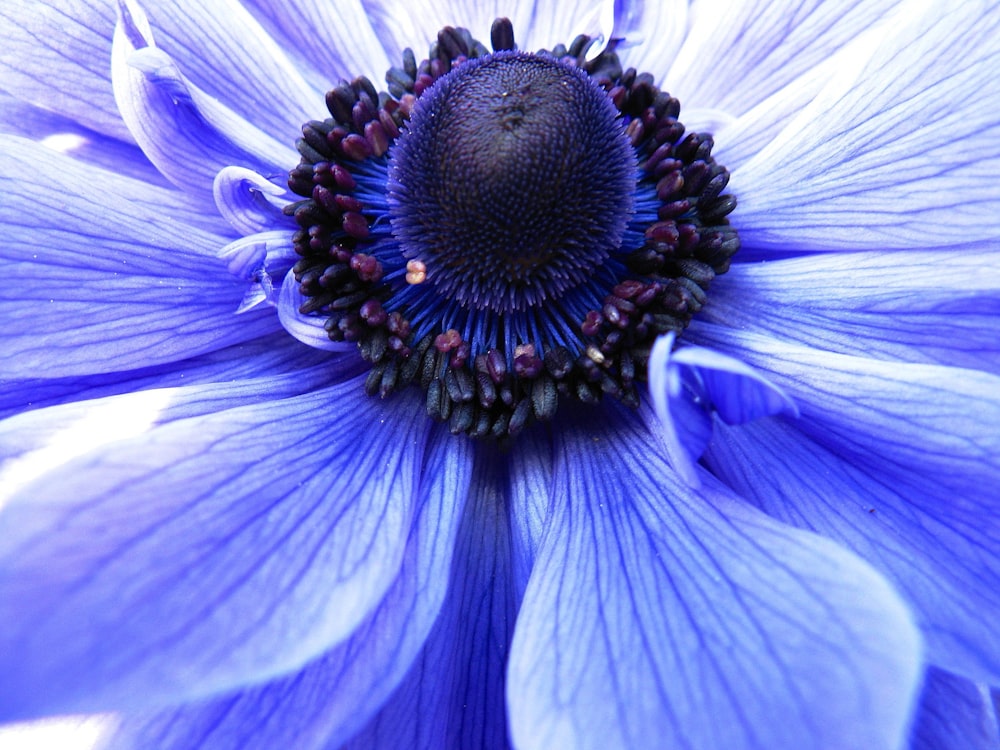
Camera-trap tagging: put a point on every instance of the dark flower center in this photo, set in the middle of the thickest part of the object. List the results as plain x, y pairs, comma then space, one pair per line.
513, 181
507, 230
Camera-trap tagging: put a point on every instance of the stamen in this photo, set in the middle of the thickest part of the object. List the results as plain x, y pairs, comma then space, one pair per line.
507, 230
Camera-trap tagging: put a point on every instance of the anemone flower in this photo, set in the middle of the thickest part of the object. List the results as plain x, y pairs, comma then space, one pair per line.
408, 375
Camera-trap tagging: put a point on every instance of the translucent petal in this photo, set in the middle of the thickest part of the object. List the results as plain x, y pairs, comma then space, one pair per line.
225, 52
206, 554
333, 696
738, 53
899, 419
454, 694
908, 306
661, 617
186, 133
56, 57
870, 164
335, 41
954, 714
104, 273
935, 546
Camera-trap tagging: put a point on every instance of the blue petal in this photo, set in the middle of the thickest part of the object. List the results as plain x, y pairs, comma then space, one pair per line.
909, 306
454, 694
62, 134
309, 329
651, 34
737, 53
954, 714
868, 165
333, 696
530, 493
689, 384
657, 617
938, 548
104, 273
331, 41
186, 133
207, 554
226, 53
56, 57
249, 202
270, 355
895, 419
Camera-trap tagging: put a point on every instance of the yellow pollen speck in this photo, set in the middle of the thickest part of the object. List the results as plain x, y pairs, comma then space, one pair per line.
595, 354
416, 272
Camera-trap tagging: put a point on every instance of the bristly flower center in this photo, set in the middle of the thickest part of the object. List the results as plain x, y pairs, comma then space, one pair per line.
507, 230
512, 182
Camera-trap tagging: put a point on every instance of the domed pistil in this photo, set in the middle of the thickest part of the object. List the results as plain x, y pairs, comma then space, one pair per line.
513, 181
505, 230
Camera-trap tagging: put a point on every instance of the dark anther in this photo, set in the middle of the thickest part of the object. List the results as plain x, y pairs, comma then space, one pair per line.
442, 228
502, 34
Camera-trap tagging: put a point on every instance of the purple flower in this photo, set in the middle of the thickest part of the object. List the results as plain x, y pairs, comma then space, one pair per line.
212, 534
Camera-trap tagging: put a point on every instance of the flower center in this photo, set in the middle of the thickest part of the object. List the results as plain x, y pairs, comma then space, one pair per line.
513, 181
507, 230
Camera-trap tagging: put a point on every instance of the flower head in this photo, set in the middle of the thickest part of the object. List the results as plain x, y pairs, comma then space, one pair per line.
474, 411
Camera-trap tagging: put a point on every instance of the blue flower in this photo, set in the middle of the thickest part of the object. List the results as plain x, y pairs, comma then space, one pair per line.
213, 535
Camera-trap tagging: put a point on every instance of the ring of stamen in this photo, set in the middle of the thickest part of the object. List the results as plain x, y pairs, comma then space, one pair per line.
491, 368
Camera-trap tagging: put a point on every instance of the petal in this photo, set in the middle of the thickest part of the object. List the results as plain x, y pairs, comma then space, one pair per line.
36, 441
275, 354
186, 133
691, 383
250, 202
899, 420
104, 274
206, 554
454, 694
657, 617
651, 34
869, 165
309, 329
56, 57
737, 53
909, 306
955, 714
334, 41
68, 137
937, 548
227, 54
333, 696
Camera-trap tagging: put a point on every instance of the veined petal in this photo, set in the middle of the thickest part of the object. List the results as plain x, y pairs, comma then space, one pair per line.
908, 306
897, 419
938, 548
454, 694
116, 281
191, 560
661, 617
689, 384
56, 57
334, 41
332, 697
267, 355
66, 136
226, 53
250, 202
530, 478
869, 165
651, 34
188, 135
738, 53
954, 714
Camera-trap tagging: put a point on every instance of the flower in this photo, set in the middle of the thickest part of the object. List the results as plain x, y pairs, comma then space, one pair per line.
211, 531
